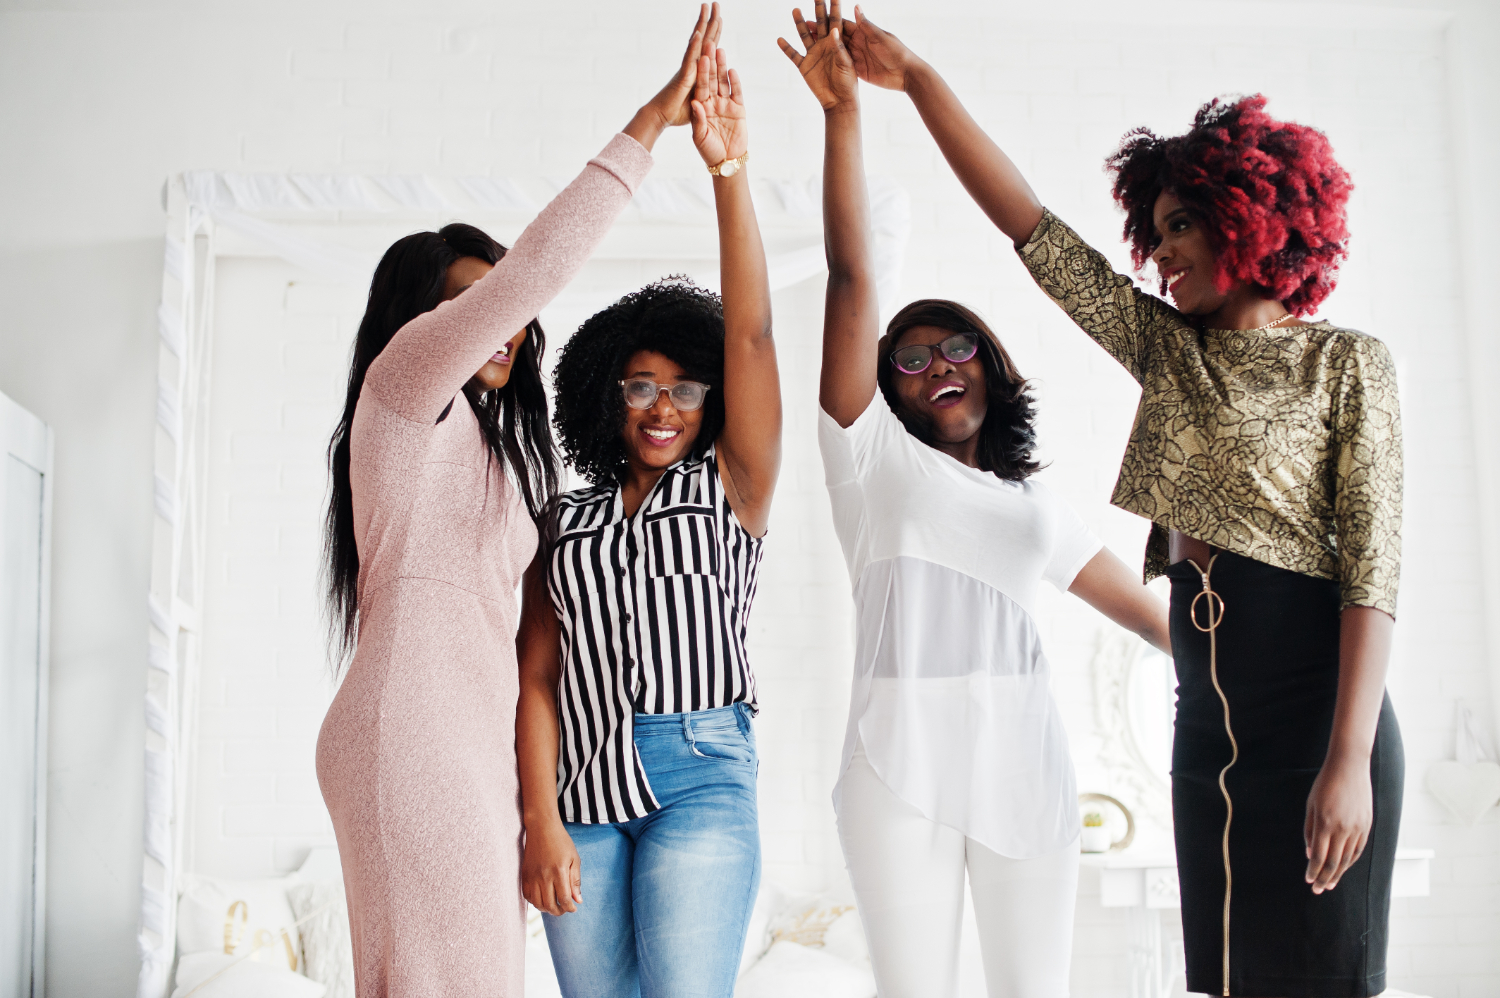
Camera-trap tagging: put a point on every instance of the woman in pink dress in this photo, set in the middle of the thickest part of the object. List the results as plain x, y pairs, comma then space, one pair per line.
441, 464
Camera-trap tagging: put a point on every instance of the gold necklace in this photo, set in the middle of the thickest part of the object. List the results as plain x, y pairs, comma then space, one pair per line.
1260, 329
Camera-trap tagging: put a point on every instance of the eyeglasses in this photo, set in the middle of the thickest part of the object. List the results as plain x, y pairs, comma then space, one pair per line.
641, 393
917, 358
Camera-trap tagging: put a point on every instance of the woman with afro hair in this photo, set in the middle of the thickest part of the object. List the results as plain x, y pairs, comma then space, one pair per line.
1266, 452
637, 757
955, 764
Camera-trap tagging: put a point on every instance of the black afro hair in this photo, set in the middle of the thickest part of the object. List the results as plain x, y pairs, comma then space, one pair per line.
672, 316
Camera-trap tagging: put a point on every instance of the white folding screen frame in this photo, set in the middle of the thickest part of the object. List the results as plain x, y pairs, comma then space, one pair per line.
29, 440
335, 228
176, 592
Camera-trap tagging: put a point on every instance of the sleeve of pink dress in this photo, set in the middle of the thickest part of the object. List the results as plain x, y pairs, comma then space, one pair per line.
416, 758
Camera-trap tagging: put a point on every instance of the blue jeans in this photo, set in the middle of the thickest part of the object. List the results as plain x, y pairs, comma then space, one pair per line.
667, 896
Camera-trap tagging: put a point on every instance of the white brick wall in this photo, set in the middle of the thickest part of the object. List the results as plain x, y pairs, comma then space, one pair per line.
518, 91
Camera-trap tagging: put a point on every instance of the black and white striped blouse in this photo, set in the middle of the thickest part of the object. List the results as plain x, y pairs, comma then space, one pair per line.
653, 610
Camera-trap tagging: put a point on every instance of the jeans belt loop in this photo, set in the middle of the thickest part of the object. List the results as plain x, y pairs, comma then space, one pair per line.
742, 715
687, 729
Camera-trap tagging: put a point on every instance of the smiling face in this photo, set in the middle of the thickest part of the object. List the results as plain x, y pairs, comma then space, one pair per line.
948, 397
1185, 258
462, 274
662, 435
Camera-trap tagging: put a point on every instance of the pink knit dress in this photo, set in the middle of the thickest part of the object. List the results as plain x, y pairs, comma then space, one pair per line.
417, 757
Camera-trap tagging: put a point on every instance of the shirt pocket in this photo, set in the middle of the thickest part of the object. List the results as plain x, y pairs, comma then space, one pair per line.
682, 540
581, 562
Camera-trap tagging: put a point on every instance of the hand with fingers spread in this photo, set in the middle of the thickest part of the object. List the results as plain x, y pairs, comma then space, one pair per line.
720, 130
880, 58
825, 65
670, 105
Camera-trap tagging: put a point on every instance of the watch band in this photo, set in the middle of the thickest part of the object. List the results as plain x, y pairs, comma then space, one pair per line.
730, 167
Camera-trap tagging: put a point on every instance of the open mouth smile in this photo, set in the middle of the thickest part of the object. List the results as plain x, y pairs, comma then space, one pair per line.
502, 356
949, 393
660, 436
1176, 275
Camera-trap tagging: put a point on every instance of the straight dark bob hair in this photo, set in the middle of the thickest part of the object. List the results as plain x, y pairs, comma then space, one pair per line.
1008, 434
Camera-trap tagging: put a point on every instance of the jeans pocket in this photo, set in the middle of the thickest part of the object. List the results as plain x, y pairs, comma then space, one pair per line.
724, 743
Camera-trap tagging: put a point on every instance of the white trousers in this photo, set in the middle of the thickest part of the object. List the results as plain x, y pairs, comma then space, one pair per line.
908, 875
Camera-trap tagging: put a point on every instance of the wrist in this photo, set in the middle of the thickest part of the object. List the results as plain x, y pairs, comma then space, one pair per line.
1347, 757
647, 125
916, 75
849, 106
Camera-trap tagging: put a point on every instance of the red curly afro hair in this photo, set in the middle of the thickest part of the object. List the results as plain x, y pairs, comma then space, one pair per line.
1270, 193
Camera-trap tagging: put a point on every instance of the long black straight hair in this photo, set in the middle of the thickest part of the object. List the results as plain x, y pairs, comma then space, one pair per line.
408, 282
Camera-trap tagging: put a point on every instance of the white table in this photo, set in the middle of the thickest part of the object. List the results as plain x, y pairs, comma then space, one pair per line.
1146, 883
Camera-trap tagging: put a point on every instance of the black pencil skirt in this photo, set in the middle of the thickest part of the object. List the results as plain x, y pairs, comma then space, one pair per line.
1278, 659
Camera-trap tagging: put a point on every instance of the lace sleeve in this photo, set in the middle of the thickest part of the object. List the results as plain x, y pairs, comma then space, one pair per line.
1107, 305
1367, 475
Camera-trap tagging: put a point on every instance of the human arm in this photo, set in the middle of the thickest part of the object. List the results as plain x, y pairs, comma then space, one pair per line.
1105, 304
851, 317
551, 872
990, 177
1107, 585
1366, 440
434, 354
1340, 807
749, 445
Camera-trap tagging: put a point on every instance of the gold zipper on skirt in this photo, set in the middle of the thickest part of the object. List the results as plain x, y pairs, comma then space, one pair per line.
1215, 604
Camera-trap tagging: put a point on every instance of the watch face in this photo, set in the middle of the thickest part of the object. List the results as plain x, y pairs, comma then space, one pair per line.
730, 168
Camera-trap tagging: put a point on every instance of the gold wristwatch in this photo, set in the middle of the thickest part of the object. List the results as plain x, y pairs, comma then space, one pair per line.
730, 167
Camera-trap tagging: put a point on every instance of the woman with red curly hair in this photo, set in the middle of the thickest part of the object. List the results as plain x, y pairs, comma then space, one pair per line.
1267, 454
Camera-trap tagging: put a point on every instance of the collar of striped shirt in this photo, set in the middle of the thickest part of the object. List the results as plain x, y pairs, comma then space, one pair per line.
654, 610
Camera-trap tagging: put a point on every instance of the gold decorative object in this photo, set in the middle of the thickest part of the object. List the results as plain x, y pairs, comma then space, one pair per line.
1129, 837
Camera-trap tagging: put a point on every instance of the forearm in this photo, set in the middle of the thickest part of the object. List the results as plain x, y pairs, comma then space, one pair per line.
1364, 655
537, 743
746, 288
646, 127
851, 320
989, 176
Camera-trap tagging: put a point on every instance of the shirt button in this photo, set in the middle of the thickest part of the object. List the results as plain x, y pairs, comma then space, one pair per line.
622, 573
628, 663
626, 618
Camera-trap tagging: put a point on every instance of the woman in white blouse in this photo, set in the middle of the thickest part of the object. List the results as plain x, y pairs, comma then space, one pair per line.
955, 759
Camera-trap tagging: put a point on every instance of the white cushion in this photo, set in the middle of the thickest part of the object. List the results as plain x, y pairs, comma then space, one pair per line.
239, 979
327, 954
792, 971
235, 917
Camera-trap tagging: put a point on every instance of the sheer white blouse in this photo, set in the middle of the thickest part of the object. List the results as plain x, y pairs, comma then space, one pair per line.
951, 697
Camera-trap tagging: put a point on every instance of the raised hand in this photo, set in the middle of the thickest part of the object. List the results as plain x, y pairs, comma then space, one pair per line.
718, 107
670, 105
826, 66
879, 57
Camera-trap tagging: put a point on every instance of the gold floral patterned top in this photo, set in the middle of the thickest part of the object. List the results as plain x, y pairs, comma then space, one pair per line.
1282, 445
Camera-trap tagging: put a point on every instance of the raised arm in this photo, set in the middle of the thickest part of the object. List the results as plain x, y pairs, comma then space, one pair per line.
989, 176
851, 316
749, 446
433, 355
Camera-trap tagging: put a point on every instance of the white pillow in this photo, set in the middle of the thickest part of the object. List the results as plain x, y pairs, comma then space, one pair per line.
237, 916
791, 971
239, 979
327, 954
